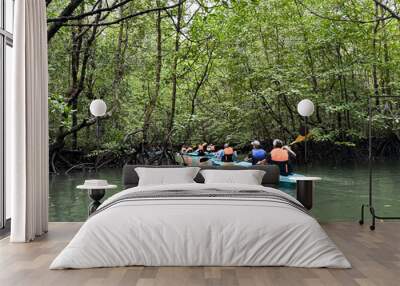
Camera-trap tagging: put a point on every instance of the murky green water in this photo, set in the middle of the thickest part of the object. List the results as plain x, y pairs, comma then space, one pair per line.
338, 196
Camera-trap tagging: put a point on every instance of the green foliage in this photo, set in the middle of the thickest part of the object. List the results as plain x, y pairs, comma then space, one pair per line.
265, 57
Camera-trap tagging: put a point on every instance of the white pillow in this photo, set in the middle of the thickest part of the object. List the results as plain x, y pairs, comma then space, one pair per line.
166, 176
248, 177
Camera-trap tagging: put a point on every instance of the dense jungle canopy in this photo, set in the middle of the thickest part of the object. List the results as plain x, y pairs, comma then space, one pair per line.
176, 71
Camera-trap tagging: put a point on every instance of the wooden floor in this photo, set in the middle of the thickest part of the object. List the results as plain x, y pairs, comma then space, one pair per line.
375, 257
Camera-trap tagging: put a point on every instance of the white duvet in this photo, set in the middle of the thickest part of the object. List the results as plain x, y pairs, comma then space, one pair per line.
202, 232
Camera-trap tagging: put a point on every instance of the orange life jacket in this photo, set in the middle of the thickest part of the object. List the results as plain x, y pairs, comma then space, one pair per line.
279, 155
228, 151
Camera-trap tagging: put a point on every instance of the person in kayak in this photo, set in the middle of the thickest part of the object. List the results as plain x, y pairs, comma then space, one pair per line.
211, 148
228, 153
219, 154
201, 149
279, 155
184, 149
258, 155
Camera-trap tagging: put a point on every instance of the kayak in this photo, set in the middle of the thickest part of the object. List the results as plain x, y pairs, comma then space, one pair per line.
289, 180
196, 154
283, 180
216, 162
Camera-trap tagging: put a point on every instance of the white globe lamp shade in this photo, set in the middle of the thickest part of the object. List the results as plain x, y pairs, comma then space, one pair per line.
98, 108
305, 107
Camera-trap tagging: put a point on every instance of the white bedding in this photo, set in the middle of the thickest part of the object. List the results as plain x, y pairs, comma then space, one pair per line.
200, 231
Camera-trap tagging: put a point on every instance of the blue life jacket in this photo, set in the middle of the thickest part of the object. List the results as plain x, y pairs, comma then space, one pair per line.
258, 155
220, 154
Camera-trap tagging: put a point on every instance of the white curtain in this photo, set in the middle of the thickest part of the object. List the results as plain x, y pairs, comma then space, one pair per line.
27, 124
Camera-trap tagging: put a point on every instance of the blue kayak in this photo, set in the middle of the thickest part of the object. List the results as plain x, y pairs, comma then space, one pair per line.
283, 180
217, 162
289, 180
196, 154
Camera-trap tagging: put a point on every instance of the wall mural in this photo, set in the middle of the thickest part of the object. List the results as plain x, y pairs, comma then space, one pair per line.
193, 75
217, 82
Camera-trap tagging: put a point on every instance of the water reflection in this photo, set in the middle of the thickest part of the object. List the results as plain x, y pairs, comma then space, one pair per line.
338, 196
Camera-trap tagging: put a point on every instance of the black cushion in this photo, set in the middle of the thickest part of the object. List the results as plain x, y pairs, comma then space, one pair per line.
130, 178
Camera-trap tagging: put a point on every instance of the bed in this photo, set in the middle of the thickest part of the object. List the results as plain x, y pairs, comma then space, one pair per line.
197, 224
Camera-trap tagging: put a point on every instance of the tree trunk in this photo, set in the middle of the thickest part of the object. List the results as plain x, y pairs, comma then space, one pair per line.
386, 58
174, 74
75, 61
343, 84
68, 11
78, 76
119, 67
375, 57
311, 63
153, 99
196, 93
74, 138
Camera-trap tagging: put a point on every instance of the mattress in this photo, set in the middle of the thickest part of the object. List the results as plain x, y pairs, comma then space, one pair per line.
201, 225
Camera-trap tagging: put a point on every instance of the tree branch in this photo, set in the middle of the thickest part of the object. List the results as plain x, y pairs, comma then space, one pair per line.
340, 19
387, 9
85, 123
53, 29
86, 14
126, 17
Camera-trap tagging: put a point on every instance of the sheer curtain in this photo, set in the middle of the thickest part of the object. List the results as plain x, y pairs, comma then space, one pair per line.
27, 123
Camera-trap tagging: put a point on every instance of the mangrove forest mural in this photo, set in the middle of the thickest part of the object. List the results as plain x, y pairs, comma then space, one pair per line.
176, 72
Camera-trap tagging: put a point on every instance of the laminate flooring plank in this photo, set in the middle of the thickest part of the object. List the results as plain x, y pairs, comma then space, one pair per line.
375, 258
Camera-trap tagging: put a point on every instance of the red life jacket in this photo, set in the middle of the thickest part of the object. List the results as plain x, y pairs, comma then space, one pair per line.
279, 155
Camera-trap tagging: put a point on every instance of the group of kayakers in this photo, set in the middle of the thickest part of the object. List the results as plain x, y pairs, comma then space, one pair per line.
201, 149
226, 154
280, 154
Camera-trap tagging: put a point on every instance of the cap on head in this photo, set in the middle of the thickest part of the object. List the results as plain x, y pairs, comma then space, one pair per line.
256, 143
226, 145
277, 143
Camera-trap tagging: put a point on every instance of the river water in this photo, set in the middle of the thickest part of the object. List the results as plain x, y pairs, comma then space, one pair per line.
337, 197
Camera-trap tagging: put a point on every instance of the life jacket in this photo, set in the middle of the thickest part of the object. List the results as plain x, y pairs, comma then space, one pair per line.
280, 157
228, 155
220, 154
228, 151
258, 155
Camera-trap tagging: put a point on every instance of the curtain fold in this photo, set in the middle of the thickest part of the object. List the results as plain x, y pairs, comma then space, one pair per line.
27, 120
